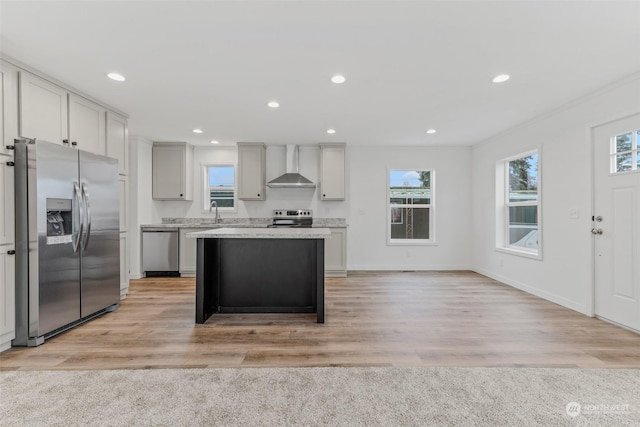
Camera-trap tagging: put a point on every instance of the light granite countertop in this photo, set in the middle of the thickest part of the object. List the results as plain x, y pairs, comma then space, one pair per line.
262, 233
208, 223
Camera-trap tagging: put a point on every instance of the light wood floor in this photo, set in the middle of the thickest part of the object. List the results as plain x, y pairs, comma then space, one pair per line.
372, 319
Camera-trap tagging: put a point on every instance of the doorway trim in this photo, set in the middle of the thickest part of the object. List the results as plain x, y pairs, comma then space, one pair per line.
591, 295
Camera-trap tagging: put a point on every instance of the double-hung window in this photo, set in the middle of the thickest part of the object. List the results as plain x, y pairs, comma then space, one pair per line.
410, 206
220, 187
521, 206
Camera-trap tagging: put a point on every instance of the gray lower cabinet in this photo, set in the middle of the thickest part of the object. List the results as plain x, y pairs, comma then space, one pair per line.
335, 253
187, 253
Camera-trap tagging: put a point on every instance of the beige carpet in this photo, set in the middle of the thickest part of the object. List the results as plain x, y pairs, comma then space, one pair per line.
321, 396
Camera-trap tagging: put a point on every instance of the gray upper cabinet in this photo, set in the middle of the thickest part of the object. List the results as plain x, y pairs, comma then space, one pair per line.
172, 171
43, 109
332, 171
86, 124
251, 170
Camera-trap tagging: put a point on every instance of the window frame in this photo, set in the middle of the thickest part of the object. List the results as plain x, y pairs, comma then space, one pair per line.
634, 152
431, 206
503, 204
206, 195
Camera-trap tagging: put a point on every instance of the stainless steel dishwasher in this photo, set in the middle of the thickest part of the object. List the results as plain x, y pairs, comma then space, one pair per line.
160, 252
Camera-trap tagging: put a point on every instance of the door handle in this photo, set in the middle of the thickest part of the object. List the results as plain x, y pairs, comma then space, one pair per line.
78, 212
87, 215
597, 231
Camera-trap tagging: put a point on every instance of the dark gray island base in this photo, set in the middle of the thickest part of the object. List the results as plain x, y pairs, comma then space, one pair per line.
259, 275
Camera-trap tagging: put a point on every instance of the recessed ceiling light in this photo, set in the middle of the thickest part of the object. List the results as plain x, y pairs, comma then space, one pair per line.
430, 131
117, 77
214, 142
273, 104
197, 131
331, 131
501, 78
338, 78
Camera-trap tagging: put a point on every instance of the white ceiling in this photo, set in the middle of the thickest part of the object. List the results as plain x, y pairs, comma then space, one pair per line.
410, 66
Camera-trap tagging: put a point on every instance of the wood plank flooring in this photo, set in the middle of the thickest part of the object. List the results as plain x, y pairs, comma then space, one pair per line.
372, 319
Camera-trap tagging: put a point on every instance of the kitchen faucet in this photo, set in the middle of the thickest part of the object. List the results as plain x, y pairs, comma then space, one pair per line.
214, 203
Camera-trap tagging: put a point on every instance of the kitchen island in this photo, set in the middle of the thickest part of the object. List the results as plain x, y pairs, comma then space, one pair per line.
260, 270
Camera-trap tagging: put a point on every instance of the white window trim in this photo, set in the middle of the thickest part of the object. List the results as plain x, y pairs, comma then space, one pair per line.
432, 213
205, 189
502, 207
635, 153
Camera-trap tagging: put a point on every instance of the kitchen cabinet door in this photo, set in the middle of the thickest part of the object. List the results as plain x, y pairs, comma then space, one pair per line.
172, 171
124, 265
251, 171
187, 255
335, 253
8, 105
332, 173
123, 182
7, 201
43, 109
86, 125
7, 296
117, 140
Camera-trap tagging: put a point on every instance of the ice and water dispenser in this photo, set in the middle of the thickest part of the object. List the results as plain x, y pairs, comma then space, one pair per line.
59, 221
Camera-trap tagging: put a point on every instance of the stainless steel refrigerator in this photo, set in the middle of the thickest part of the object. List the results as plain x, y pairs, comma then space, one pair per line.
67, 238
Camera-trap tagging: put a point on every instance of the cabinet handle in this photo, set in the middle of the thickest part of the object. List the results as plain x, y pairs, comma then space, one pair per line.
11, 252
10, 147
65, 141
74, 143
180, 195
10, 164
324, 195
258, 194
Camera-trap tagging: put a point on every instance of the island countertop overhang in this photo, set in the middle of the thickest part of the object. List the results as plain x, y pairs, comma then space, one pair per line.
261, 233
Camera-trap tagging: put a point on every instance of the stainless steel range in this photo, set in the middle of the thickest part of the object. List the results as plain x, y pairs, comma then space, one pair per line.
299, 218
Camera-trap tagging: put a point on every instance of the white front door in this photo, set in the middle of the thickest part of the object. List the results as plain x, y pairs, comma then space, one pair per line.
616, 221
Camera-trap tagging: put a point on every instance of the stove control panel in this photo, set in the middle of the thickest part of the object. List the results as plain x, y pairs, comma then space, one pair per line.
289, 213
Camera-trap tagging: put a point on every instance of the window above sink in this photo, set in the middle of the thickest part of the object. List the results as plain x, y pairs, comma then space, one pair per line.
219, 185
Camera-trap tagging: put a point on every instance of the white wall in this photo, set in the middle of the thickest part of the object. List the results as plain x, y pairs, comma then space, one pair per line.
367, 234
142, 210
564, 273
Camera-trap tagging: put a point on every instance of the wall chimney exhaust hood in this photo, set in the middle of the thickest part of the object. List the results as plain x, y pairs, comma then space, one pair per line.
291, 179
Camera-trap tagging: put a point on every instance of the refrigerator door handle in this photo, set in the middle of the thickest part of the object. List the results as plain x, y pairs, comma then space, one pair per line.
87, 216
78, 216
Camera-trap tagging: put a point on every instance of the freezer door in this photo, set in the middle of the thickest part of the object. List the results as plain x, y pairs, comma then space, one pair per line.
54, 276
100, 241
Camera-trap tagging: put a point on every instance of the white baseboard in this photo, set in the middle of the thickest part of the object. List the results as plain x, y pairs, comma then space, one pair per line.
378, 267
5, 346
136, 276
580, 308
